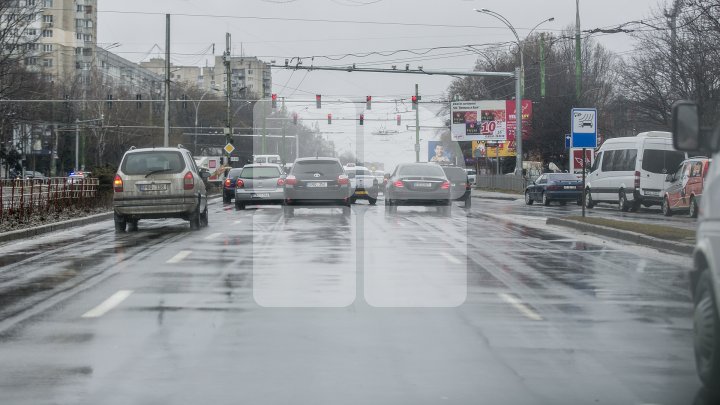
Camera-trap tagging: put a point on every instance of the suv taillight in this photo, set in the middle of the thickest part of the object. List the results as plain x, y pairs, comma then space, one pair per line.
637, 181
291, 181
189, 181
239, 183
118, 184
343, 180
228, 183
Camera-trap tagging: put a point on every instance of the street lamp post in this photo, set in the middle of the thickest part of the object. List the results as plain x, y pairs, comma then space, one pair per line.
520, 90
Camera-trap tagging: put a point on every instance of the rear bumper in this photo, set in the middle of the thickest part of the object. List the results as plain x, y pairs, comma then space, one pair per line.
317, 195
564, 195
436, 195
647, 199
147, 208
273, 196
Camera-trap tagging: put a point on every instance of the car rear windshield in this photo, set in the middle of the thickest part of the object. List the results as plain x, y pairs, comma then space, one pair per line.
661, 161
421, 170
360, 172
234, 173
324, 167
562, 177
260, 173
154, 161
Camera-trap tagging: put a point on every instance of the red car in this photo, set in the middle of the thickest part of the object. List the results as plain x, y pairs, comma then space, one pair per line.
685, 187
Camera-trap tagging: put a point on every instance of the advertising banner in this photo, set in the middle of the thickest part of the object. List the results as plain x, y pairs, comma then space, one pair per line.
439, 153
507, 149
492, 120
527, 114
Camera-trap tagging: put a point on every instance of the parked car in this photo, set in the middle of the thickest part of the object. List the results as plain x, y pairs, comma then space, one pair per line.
631, 171
159, 183
685, 187
316, 182
460, 189
705, 276
549, 187
259, 184
229, 185
418, 184
363, 183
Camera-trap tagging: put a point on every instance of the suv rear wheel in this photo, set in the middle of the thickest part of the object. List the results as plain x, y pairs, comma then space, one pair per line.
195, 220
120, 223
589, 203
623, 203
706, 326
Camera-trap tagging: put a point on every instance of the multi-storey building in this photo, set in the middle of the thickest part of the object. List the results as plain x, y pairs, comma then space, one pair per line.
250, 75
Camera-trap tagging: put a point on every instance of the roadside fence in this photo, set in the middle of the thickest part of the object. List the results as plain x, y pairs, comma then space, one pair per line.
502, 182
20, 199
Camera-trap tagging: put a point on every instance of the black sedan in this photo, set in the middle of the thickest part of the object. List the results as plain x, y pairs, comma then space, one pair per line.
418, 184
562, 187
317, 182
229, 185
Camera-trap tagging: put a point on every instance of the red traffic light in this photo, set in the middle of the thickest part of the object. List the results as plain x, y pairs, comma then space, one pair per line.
318, 101
369, 103
362, 119
295, 118
414, 102
399, 119
329, 118
274, 101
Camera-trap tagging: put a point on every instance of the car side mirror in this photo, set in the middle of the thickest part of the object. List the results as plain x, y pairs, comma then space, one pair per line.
687, 136
670, 178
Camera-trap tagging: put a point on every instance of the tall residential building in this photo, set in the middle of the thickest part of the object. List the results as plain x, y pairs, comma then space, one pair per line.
250, 75
185, 75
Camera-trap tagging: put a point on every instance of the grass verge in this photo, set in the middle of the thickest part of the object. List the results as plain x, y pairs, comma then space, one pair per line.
655, 231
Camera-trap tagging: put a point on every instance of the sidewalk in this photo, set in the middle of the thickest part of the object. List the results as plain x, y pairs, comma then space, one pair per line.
496, 195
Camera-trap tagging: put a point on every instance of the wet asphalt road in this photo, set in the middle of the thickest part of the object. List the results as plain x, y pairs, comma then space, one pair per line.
406, 308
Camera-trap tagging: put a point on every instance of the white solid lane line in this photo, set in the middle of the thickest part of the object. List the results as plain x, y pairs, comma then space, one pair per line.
524, 309
108, 304
213, 236
179, 257
451, 259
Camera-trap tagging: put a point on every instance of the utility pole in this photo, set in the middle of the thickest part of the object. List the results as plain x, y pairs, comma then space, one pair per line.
77, 144
578, 53
542, 65
673, 15
417, 124
166, 140
228, 74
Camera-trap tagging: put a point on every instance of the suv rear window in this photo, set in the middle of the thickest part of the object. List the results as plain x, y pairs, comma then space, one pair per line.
661, 161
260, 173
234, 173
155, 161
324, 167
421, 170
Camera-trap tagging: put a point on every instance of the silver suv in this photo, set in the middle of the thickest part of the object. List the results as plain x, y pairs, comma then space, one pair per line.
159, 183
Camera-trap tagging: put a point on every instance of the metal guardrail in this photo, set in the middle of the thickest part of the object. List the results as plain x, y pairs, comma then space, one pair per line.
20, 199
501, 182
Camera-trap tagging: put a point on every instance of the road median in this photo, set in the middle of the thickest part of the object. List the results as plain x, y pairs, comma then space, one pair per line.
655, 236
53, 227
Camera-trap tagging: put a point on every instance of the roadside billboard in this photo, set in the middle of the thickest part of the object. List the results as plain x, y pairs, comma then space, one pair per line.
440, 153
489, 120
488, 149
577, 158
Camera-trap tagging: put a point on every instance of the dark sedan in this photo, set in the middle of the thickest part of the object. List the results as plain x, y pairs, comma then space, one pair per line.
562, 187
418, 184
229, 185
317, 182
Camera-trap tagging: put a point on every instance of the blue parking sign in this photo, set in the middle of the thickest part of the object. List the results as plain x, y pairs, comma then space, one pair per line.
584, 128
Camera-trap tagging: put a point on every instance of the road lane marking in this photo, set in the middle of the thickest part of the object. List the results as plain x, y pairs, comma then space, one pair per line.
108, 304
524, 309
213, 236
451, 259
179, 257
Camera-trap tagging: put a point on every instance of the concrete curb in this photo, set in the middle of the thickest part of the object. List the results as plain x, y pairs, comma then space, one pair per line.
58, 226
627, 236
496, 198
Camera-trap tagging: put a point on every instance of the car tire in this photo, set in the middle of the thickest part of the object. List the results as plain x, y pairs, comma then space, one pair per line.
545, 200
589, 203
132, 226
195, 220
528, 199
239, 206
120, 224
579, 202
706, 333
694, 209
666, 210
372, 201
623, 204
205, 218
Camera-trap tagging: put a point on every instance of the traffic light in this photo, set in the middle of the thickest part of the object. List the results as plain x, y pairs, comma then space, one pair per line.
399, 119
274, 101
138, 103
295, 118
109, 102
318, 101
362, 119
329, 118
414, 102
184, 101
369, 103
67, 101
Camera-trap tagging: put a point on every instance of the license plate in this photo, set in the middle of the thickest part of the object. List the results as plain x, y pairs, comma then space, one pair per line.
153, 187
570, 187
260, 195
652, 193
317, 185
361, 193
423, 185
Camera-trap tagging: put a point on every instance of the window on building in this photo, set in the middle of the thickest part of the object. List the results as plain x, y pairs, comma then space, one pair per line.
48, 3
80, 8
48, 18
47, 47
30, 61
47, 62
32, 32
88, 23
78, 23
79, 36
30, 3
87, 37
47, 33
32, 47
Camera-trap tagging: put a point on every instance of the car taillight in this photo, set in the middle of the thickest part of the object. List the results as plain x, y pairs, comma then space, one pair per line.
228, 183
446, 185
118, 184
467, 186
189, 181
291, 181
637, 180
343, 180
579, 187
239, 183
399, 184
281, 182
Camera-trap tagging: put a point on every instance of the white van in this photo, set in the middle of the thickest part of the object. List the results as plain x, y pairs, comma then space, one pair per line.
267, 159
631, 171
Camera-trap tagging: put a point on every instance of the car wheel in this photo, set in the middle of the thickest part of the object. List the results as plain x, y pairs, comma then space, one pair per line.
635, 206
693, 208
623, 204
706, 327
195, 220
120, 224
545, 200
666, 210
205, 219
589, 203
239, 206
528, 199
372, 201
132, 226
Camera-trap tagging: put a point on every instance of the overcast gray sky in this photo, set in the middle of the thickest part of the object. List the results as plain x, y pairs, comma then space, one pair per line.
455, 24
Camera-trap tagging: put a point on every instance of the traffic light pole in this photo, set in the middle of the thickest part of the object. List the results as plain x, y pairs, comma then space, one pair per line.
228, 73
417, 125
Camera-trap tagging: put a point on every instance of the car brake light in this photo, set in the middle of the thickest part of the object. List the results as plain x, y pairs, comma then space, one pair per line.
118, 184
343, 180
399, 184
281, 182
446, 185
239, 183
291, 181
189, 181
228, 182
637, 180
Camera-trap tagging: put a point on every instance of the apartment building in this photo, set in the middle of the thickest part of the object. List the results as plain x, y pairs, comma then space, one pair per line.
250, 75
